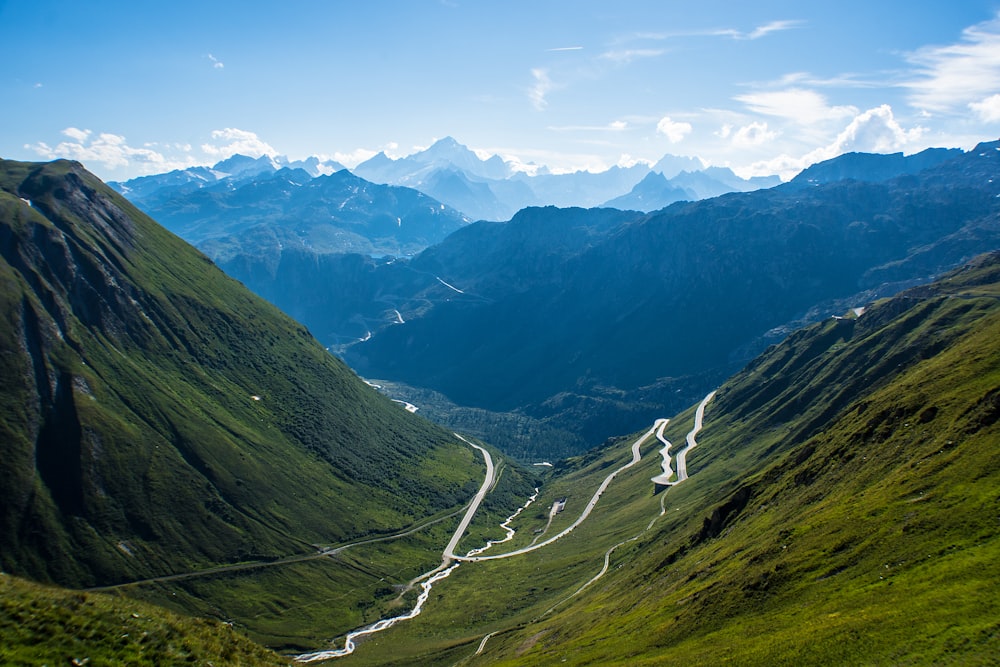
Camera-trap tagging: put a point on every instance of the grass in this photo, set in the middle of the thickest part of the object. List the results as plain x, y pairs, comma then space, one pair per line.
44, 625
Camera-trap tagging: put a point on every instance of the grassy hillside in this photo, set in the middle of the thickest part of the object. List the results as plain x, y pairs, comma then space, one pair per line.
863, 523
157, 418
841, 509
45, 625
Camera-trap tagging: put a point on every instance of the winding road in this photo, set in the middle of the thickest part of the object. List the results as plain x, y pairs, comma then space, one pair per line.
699, 417
450, 560
449, 551
446, 567
636, 457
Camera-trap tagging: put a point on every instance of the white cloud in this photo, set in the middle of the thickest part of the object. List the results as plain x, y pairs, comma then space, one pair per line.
797, 104
626, 161
951, 77
873, 131
541, 88
216, 63
988, 109
355, 157
243, 142
110, 151
754, 134
76, 134
674, 131
724, 131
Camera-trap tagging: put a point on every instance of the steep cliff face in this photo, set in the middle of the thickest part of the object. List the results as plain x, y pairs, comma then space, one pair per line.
155, 416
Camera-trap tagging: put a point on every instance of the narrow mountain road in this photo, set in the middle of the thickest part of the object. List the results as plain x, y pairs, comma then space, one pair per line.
447, 566
658, 427
636, 457
664, 477
699, 416
450, 560
449, 551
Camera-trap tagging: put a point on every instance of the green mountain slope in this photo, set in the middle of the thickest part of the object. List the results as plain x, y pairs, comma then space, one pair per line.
848, 506
156, 417
45, 625
841, 508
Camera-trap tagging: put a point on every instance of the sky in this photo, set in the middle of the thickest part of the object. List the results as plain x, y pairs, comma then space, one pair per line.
765, 87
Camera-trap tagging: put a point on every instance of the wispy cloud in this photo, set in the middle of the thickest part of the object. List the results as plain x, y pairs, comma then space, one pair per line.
614, 126
566, 48
540, 88
216, 63
756, 33
950, 78
797, 104
732, 33
625, 56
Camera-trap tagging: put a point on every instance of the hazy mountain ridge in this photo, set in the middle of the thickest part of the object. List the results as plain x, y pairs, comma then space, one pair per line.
656, 191
339, 212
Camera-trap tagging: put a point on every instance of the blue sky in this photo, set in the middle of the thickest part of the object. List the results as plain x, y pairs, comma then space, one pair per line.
764, 87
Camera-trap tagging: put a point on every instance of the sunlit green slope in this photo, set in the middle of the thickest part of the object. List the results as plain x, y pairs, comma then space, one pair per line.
850, 512
44, 625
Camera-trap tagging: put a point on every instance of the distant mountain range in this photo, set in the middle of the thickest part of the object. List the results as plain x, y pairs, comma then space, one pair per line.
447, 171
494, 190
259, 210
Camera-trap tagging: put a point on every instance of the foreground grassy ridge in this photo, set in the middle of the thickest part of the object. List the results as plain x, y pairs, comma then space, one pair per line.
43, 625
842, 509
